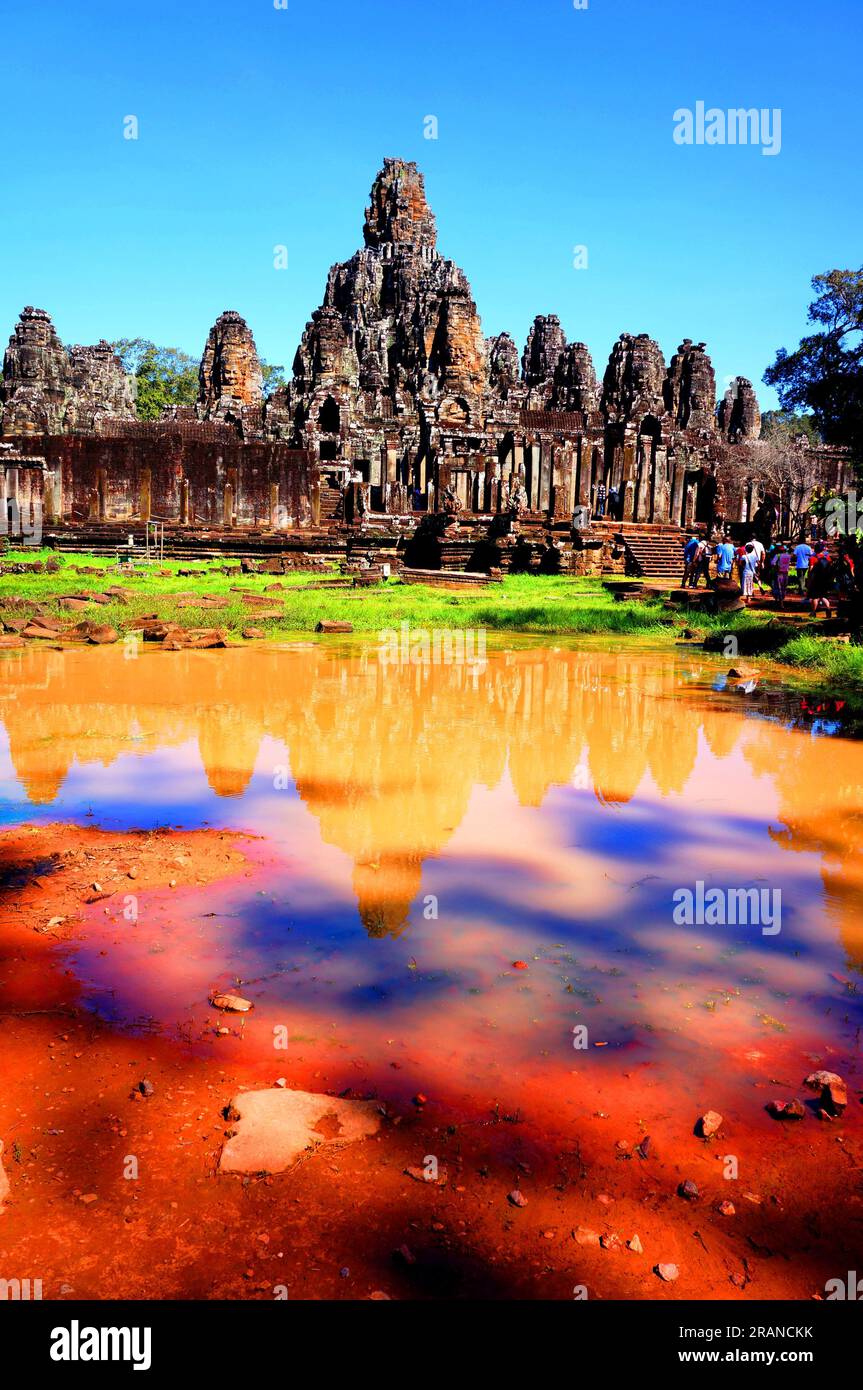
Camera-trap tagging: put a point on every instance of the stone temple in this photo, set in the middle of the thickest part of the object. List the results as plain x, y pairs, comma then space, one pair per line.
403, 431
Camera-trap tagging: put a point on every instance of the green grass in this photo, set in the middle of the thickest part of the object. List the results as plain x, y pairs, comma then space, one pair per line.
838, 662
522, 603
530, 604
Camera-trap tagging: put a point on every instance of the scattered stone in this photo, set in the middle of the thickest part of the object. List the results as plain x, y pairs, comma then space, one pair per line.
231, 1003
421, 1175
519, 965
101, 635
328, 625
610, 1240
517, 1198
274, 1127
834, 1092
688, 1190
709, 1123
668, 1273
786, 1109
146, 1088
584, 1236
251, 633
635, 1245
8, 641
420, 1099
726, 1209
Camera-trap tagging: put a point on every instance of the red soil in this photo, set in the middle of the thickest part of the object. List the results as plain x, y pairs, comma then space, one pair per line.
70, 1114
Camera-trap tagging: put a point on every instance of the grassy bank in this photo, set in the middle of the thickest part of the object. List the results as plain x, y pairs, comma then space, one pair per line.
544, 605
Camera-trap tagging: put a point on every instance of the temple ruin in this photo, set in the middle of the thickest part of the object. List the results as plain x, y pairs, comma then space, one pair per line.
402, 430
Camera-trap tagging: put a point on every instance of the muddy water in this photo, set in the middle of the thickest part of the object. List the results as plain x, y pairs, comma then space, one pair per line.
420, 829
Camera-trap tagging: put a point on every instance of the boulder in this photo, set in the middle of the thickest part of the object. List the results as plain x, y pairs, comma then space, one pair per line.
275, 1127
834, 1092
101, 634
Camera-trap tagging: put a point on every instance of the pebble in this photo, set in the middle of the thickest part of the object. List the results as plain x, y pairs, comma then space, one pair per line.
834, 1092
668, 1273
517, 1199
688, 1190
231, 1003
583, 1236
635, 1245
726, 1209
786, 1109
709, 1123
146, 1088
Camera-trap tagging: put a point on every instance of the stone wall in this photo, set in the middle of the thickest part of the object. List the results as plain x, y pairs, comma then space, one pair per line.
165, 475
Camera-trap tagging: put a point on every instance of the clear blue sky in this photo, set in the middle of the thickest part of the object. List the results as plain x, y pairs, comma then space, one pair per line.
261, 126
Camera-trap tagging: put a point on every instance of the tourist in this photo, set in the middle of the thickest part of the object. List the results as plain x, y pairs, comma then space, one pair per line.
724, 559
748, 568
802, 559
781, 568
759, 569
821, 580
612, 503
701, 564
600, 501
689, 553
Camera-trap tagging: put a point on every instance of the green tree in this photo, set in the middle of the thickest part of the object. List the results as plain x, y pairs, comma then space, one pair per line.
824, 377
785, 425
164, 376
274, 377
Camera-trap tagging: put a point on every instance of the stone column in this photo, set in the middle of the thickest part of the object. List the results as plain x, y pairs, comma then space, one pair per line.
184, 502
628, 481
660, 502
146, 494
228, 506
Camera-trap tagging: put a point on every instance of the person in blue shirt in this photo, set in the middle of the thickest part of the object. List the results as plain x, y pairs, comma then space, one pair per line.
724, 559
802, 561
689, 552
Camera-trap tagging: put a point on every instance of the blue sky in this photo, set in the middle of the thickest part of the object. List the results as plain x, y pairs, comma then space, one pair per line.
261, 127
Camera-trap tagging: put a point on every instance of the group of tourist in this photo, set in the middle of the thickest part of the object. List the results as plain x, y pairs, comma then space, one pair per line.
818, 575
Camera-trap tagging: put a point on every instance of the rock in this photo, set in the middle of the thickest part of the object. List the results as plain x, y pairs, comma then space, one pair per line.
275, 1127
611, 1241
668, 1273
834, 1092
420, 1099
421, 1175
517, 1198
635, 1245
5, 1185
102, 635
726, 1209
688, 1190
327, 625
231, 1003
8, 641
786, 1109
584, 1236
146, 1088
709, 1123
519, 965
251, 633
